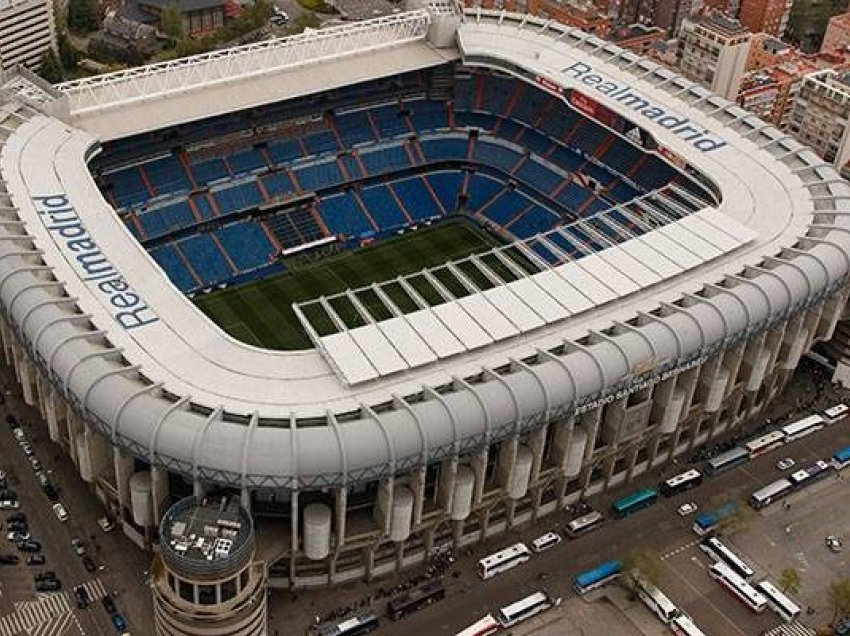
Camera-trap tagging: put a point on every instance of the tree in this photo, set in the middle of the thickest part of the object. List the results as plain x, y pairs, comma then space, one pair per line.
49, 68
83, 16
643, 563
304, 20
789, 580
68, 55
838, 595
171, 22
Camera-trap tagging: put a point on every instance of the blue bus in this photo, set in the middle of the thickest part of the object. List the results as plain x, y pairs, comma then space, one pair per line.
841, 458
634, 502
707, 522
728, 460
597, 577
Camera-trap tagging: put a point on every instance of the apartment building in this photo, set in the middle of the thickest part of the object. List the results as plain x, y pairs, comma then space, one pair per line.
27, 30
820, 114
713, 50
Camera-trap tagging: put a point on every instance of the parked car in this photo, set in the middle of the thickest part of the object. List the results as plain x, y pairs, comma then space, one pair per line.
3, 478
9, 559
50, 585
842, 627
81, 597
545, 541
35, 463
9, 504
60, 512
43, 479
687, 509
17, 526
785, 463
28, 449
89, 564
119, 623
8, 493
45, 576
19, 434
108, 604
12, 421
18, 536
833, 543
51, 493
17, 516
36, 559
106, 524
29, 546
79, 546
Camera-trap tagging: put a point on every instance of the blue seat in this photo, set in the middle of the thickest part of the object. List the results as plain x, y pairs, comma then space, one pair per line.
173, 266
621, 156
495, 155
390, 124
342, 215
354, 128
416, 199
319, 175
480, 190
205, 172
246, 161
247, 245
446, 149
566, 159
284, 152
429, 116
506, 207
206, 259
277, 184
446, 186
536, 219
383, 207
164, 220
203, 206
320, 142
166, 175
238, 197
467, 119
538, 176
384, 159
128, 189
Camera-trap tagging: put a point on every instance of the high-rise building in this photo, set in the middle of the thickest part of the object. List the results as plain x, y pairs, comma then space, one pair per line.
770, 92
27, 30
767, 16
820, 115
713, 50
668, 14
837, 34
205, 579
767, 50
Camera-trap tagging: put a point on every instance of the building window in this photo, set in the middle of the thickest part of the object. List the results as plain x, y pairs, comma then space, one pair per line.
206, 594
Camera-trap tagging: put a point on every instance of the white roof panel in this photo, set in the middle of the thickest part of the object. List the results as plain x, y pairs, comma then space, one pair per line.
529, 289
657, 261
441, 341
348, 358
671, 249
519, 312
707, 231
380, 352
728, 225
563, 291
605, 273
586, 284
409, 344
690, 241
462, 325
623, 262
489, 316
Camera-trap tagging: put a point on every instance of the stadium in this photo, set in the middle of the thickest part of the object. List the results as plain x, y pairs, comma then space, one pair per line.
402, 284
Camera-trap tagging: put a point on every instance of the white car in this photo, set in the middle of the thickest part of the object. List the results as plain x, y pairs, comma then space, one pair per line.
10, 504
18, 536
545, 541
785, 463
687, 509
60, 512
106, 524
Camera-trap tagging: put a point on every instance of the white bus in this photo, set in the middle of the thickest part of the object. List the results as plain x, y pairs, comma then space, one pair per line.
483, 627
721, 553
745, 592
682, 482
778, 602
836, 413
765, 443
803, 427
584, 523
525, 608
656, 600
683, 625
503, 560
770, 493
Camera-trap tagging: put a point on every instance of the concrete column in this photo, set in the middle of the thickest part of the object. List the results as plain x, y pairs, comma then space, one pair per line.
417, 485
123, 466
507, 461
43, 391
53, 407
612, 422
446, 482
341, 511
369, 561
159, 491
199, 489
27, 378
245, 498
8, 339
295, 536
537, 443
478, 463
384, 504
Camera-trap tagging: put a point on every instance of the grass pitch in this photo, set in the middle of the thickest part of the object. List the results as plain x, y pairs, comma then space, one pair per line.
260, 312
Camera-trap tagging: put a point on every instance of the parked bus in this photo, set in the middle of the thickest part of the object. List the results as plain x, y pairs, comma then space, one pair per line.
360, 623
503, 560
708, 522
636, 501
587, 522
745, 592
770, 493
656, 600
727, 460
803, 427
483, 627
597, 577
720, 552
778, 602
417, 598
836, 413
841, 459
683, 625
681, 483
525, 608
806, 476
765, 443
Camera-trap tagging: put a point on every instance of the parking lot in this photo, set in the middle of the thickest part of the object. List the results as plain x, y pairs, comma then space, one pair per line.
110, 562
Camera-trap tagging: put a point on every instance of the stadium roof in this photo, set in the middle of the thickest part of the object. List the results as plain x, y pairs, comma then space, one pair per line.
144, 365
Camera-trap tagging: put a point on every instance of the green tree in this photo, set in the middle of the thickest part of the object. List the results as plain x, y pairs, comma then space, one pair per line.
49, 67
789, 580
171, 22
838, 596
83, 16
643, 563
304, 20
68, 55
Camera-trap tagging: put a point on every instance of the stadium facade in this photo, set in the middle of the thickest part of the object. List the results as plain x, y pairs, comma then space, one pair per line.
460, 419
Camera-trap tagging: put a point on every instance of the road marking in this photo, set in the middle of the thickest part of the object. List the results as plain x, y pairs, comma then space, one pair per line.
707, 600
679, 550
30, 614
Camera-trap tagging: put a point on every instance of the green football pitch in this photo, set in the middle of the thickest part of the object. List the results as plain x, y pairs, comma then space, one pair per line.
260, 312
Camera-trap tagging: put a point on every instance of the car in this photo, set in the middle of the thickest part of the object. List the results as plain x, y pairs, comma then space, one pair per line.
89, 564
36, 559
45, 576
79, 546
109, 604
60, 512
8, 493
17, 516
20, 527
18, 536
29, 546
28, 449
12, 421
3, 477
81, 597
51, 492
43, 479
106, 524
785, 463
35, 463
277, 20
119, 623
545, 541
19, 434
687, 509
9, 559
9, 504
833, 543
50, 585
842, 627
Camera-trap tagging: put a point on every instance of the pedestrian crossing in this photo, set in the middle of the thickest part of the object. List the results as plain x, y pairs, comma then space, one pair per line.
791, 629
49, 614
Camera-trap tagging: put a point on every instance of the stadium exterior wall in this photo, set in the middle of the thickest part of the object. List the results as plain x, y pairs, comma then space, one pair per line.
728, 349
